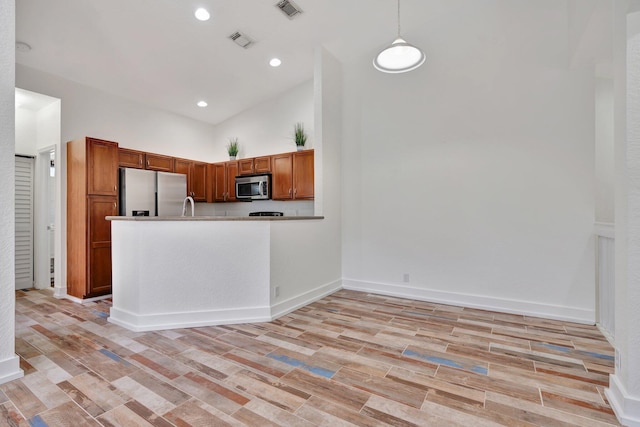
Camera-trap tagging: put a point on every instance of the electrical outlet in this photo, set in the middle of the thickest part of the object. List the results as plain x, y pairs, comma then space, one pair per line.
405, 277
276, 291
618, 360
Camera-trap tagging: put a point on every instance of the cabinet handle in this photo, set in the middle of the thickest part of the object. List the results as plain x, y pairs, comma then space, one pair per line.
115, 188
289, 191
148, 163
295, 191
114, 206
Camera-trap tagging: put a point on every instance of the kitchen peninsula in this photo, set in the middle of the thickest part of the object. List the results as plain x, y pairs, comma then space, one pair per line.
177, 272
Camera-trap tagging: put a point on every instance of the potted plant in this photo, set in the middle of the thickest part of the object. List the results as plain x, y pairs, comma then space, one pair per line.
233, 148
299, 136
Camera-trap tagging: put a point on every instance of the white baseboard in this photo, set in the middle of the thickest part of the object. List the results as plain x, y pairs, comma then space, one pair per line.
84, 300
287, 306
10, 370
59, 292
156, 322
626, 407
504, 305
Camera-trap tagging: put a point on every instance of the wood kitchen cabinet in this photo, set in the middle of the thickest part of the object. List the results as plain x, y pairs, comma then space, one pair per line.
99, 244
130, 158
254, 165
158, 162
92, 194
303, 173
292, 175
224, 181
245, 166
262, 164
196, 178
102, 164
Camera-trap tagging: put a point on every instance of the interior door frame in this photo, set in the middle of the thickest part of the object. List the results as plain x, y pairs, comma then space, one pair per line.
41, 262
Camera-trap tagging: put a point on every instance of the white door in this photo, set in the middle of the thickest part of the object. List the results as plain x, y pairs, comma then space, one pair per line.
24, 222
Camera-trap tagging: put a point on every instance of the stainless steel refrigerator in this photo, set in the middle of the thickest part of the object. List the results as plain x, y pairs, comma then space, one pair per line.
151, 193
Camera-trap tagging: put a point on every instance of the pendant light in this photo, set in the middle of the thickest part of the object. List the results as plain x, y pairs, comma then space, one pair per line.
400, 57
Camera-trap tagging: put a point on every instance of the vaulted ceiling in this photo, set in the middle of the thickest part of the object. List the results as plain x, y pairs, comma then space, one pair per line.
155, 51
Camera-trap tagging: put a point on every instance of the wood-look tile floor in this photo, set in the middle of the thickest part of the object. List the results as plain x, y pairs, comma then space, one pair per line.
349, 359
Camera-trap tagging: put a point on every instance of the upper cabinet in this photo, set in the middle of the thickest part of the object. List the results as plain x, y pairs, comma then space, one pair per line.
102, 162
282, 176
262, 164
158, 162
130, 158
196, 178
245, 167
292, 175
303, 172
224, 181
254, 165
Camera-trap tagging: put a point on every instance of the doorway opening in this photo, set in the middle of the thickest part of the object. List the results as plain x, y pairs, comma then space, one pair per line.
38, 125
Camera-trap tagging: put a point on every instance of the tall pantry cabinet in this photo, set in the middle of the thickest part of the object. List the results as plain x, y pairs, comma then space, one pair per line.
92, 194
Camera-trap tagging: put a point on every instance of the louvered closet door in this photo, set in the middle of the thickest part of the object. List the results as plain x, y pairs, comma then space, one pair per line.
24, 222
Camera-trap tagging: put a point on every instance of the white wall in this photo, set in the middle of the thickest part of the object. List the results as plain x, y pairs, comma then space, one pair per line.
604, 156
267, 128
9, 362
89, 112
476, 181
26, 128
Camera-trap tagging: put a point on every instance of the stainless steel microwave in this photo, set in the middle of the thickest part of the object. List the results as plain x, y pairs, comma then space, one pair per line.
253, 187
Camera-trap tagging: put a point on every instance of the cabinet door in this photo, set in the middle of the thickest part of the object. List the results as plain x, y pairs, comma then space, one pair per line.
262, 164
245, 167
102, 160
199, 181
99, 244
232, 172
303, 175
130, 158
282, 176
219, 182
184, 167
157, 162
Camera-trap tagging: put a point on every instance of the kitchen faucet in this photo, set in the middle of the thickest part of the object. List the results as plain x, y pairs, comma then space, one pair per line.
184, 206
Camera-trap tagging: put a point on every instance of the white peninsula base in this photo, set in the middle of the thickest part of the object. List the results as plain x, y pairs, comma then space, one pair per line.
178, 273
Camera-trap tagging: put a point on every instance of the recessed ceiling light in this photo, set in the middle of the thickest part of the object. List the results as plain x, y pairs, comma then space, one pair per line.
202, 14
275, 62
202, 104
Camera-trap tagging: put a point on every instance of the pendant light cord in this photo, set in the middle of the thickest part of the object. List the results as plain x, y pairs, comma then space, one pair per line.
398, 18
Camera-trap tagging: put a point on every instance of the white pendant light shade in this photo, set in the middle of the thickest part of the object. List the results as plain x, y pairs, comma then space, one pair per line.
400, 57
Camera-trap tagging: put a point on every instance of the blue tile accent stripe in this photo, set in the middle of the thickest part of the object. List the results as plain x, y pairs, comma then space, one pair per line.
100, 313
556, 347
447, 362
581, 352
37, 422
598, 355
300, 364
114, 357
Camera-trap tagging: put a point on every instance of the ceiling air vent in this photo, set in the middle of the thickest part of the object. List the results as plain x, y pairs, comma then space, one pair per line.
289, 8
241, 40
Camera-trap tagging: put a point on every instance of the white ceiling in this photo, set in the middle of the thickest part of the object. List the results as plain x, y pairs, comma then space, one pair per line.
155, 51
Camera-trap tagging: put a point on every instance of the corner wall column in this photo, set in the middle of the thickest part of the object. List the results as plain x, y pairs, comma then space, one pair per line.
624, 388
9, 362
